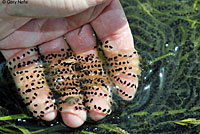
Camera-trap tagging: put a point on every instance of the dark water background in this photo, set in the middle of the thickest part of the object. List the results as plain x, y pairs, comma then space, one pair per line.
167, 37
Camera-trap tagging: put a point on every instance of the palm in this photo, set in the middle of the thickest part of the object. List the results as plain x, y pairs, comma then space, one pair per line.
37, 31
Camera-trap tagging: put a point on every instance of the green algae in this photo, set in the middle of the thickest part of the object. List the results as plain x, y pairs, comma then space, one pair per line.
14, 117
167, 36
86, 132
160, 58
12, 128
113, 128
188, 121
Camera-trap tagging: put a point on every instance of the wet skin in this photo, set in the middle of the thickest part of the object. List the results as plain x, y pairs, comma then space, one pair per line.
76, 55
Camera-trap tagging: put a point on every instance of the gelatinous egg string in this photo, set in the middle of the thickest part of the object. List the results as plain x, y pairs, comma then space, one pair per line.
123, 69
51, 81
78, 78
27, 70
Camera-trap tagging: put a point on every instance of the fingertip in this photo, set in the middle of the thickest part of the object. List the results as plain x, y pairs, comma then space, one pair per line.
50, 116
72, 120
95, 115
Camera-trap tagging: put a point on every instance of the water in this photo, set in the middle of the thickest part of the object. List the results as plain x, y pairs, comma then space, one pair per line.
166, 35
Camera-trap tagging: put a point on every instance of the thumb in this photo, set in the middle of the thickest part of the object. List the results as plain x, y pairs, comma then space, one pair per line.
49, 8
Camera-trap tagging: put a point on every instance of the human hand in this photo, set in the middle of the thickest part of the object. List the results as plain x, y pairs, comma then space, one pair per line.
110, 24
70, 15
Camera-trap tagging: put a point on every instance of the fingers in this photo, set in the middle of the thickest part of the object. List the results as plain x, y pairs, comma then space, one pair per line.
59, 61
50, 8
28, 74
118, 47
94, 81
82, 39
95, 85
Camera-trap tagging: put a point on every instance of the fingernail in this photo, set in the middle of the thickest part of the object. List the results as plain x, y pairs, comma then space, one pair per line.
50, 116
96, 115
72, 120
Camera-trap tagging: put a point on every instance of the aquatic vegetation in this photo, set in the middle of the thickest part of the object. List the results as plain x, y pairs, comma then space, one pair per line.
166, 35
113, 128
188, 121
